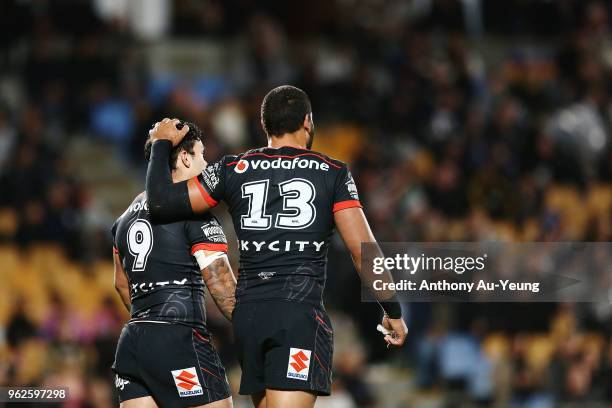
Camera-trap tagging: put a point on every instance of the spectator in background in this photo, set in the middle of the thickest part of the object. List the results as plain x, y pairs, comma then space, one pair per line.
20, 327
62, 324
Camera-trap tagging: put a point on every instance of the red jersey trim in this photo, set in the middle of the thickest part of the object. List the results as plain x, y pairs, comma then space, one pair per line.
115, 250
208, 247
283, 156
343, 205
199, 336
209, 200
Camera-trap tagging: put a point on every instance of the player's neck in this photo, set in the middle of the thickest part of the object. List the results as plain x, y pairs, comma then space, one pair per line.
178, 175
287, 140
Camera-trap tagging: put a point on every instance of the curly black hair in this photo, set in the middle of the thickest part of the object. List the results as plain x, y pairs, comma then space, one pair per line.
186, 144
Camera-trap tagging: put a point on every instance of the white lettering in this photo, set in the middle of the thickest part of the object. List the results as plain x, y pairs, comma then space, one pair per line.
278, 246
288, 164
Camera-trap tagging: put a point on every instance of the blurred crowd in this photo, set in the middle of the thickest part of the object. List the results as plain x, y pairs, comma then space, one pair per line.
461, 121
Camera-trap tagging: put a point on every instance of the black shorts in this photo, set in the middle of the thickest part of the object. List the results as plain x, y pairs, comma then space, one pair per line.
283, 345
173, 363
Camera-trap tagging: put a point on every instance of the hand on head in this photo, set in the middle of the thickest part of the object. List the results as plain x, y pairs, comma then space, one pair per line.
167, 130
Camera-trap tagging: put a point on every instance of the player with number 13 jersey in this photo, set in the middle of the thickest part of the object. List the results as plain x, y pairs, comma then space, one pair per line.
282, 202
285, 201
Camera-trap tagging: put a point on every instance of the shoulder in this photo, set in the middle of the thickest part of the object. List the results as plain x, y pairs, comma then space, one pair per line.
335, 163
205, 218
137, 204
206, 227
290, 157
219, 165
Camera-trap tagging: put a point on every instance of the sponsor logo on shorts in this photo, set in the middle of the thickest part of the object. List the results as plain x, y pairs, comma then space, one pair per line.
299, 363
120, 383
187, 382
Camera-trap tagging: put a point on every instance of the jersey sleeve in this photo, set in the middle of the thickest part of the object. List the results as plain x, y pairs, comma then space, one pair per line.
211, 182
206, 235
345, 191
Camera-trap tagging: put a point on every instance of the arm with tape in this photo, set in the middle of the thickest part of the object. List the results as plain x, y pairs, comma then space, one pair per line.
219, 278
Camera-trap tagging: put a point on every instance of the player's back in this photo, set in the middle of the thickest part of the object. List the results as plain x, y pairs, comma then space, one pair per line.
165, 280
282, 202
175, 363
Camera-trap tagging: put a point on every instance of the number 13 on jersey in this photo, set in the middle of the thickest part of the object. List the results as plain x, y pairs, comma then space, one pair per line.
298, 210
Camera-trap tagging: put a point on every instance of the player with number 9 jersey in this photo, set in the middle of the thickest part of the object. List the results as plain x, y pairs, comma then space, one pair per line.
165, 351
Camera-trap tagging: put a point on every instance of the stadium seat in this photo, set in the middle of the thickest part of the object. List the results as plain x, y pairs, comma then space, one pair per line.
496, 346
540, 349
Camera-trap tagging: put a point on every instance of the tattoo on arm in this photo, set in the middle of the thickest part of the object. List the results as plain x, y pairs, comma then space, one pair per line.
221, 284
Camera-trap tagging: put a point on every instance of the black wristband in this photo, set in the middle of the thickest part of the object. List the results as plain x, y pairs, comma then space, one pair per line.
392, 308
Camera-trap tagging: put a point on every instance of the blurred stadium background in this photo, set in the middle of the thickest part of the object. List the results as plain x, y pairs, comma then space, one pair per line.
461, 120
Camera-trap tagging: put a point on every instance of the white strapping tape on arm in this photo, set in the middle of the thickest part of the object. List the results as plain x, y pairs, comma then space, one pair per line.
205, 260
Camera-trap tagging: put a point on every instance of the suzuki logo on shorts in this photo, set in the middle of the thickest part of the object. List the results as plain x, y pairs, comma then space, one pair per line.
187, 382
241, 166
299, 362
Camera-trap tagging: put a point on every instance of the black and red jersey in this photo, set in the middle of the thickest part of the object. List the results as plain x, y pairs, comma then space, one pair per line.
165, 280
282, 202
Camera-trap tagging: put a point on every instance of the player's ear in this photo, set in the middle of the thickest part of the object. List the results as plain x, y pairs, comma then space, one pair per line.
185, 158
306, 123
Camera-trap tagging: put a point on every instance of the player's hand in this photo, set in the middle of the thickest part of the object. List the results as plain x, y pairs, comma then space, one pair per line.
167, 130
397, 331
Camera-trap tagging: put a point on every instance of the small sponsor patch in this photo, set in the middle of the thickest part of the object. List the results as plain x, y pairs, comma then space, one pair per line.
213, 231
351, 187
120, 383
299, 364
266, 275
187, 382
241, 166
210, 175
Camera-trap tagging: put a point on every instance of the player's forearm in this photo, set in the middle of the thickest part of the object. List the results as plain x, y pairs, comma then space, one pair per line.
355, 231
386, 298
167, 201
221, 284
367, 276
124, 294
